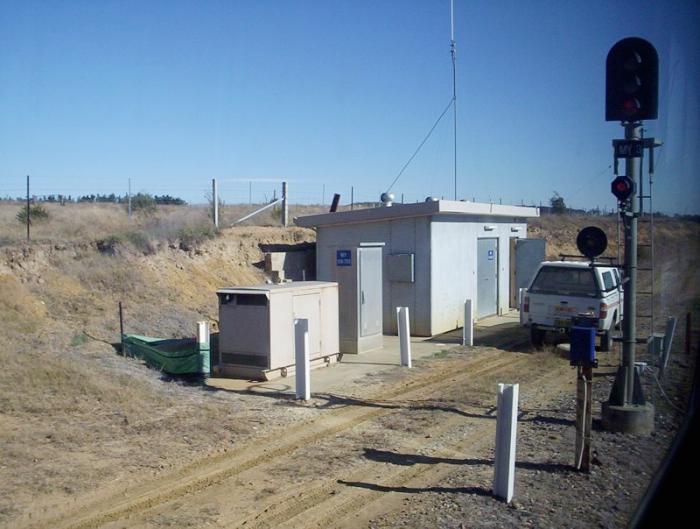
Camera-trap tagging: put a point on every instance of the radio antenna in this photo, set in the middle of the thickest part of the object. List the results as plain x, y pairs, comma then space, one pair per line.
453, 53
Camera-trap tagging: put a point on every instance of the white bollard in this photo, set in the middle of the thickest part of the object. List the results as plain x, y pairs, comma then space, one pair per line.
404, 335
203, 333
468, 330
203, 348
506, 429
301, 354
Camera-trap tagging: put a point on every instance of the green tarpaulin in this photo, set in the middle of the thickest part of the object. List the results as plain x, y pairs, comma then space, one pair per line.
173, 356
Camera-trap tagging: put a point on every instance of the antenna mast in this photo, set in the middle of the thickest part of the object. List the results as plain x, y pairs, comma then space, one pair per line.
453, 53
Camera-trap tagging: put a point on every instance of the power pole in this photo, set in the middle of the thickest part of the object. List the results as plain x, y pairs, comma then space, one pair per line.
129, 197
28, 211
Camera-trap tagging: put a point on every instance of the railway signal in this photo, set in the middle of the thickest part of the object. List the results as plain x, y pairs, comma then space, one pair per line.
622, 187
631, 96
631, 81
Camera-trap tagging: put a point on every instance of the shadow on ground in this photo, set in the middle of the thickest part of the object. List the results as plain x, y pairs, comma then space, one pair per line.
416, 490
506, 336
394, 458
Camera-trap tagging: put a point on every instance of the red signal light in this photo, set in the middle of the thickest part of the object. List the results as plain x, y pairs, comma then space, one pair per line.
622, 187
631, 106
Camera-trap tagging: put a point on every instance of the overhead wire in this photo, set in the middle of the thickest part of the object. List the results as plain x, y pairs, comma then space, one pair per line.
449, 105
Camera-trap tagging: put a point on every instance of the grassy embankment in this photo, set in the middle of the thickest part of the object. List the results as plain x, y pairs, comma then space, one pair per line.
73, 413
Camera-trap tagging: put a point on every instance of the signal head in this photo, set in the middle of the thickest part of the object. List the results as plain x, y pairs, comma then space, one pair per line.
631, 81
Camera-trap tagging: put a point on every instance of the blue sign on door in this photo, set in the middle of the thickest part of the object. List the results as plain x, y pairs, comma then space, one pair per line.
491, 255
343, 258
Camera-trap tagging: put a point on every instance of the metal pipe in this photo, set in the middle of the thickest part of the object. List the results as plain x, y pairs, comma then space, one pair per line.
453, 53
258, 211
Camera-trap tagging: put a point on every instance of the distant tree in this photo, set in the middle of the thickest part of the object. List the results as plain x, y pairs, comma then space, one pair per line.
143, 203
167, 199
557, 203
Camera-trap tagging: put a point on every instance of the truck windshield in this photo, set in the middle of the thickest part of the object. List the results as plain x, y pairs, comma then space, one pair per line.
565, 281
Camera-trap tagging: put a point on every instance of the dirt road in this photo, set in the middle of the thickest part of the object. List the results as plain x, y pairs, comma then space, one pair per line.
359, 457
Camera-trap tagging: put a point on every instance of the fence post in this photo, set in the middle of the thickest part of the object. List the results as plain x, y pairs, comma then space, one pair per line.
468, 330
301, 350
285, 205
215, 205
506, 429
404, 335
121, 328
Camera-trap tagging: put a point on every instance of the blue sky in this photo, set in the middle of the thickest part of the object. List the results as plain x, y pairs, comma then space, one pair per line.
333, 94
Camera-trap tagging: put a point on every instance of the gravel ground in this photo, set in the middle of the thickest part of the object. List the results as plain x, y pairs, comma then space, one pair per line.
549, 492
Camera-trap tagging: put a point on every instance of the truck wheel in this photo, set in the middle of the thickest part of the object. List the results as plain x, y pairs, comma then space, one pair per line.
606, 341
536, 336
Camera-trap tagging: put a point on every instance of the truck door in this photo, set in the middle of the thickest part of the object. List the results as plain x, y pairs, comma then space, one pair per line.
529, 253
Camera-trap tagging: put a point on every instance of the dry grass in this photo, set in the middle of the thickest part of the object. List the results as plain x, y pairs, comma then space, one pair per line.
73, 413
189, 225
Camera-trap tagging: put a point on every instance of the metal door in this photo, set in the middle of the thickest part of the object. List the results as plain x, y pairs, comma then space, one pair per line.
529, 253
308, 306
370, 292
487, 277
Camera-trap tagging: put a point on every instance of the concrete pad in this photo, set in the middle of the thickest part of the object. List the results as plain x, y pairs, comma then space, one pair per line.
350, 367
630, 419
491, 321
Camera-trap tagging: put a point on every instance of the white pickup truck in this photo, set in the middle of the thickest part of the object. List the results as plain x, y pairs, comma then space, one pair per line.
561, 290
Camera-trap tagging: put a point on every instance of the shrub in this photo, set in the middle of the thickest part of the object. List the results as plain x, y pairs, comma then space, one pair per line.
558, 204
108, 245
192, 236
140, 240
143, 203
37, 213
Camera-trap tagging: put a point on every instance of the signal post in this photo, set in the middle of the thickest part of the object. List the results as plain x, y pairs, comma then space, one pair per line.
631, 97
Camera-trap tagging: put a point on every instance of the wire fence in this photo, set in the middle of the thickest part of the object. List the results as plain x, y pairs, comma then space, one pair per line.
239, 192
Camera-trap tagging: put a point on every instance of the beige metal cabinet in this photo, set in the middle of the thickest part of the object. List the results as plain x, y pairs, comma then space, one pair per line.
256, 327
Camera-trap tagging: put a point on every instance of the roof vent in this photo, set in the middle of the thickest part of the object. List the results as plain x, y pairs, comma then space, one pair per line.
387, 199
431, 199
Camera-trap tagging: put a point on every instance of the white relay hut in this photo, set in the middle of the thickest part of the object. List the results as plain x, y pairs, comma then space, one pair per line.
436, 254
